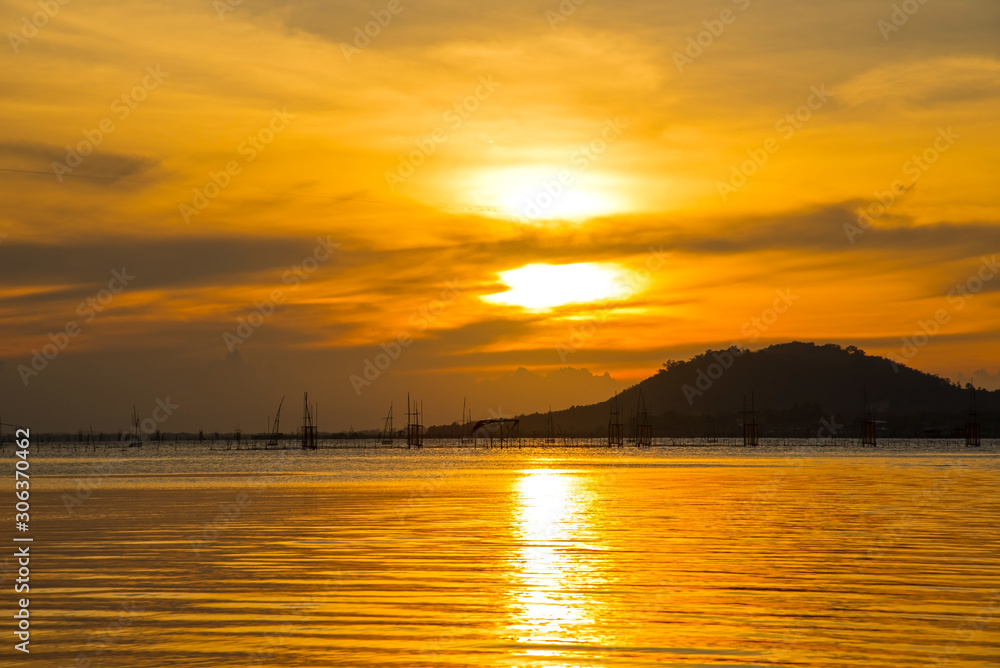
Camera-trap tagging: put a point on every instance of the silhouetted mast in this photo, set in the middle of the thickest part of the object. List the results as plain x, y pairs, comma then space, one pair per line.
615, 426
134, 437
308, 426
4, 424
749, 426
643, 430
386, 436
414, 430
461, 423
868, 438
275, 434
972, 427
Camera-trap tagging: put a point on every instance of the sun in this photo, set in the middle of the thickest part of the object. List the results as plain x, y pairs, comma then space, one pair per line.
535, 195
545, 286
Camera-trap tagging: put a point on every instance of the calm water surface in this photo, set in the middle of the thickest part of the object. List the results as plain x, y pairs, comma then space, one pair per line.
534, 557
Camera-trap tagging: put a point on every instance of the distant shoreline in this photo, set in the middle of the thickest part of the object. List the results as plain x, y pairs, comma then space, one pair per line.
58, 441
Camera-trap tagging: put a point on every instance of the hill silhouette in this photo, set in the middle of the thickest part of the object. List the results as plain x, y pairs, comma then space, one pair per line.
799, 389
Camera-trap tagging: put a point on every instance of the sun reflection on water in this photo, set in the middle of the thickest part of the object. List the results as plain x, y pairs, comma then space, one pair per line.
550, 600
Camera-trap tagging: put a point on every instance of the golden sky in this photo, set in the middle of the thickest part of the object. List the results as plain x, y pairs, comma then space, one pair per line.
500, 185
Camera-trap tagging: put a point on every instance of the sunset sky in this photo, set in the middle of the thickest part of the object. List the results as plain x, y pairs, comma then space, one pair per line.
480, 187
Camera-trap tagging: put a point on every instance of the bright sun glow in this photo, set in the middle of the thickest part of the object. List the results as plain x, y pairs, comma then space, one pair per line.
544, 286
536, 194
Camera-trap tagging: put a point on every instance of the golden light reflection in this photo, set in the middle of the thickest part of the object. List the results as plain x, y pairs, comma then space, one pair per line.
544, 286
550, 603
